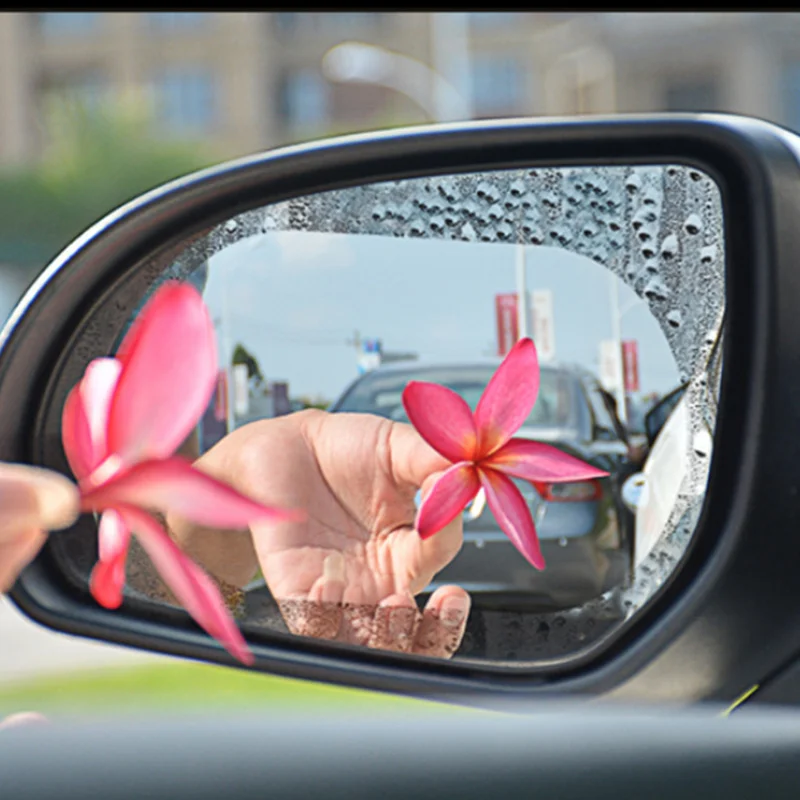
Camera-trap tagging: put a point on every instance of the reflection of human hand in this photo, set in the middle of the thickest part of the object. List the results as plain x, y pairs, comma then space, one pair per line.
32, 501
349, 572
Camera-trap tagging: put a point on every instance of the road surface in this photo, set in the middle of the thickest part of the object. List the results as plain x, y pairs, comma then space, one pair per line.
28, 650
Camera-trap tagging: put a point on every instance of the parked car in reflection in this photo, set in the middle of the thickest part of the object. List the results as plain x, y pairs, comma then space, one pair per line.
584, 528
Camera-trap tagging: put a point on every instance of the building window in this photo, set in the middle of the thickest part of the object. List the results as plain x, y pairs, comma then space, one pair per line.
177, 20
494, 19
791, 95
186, 100
692, 95
498, 85
67, 23
296, 22
304, 99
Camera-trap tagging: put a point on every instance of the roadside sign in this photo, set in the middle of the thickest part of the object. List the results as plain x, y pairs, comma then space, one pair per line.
507, 320
610, 365
630, 364
544, 334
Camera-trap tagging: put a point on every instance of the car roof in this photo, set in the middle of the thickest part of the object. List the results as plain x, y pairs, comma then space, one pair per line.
491, 362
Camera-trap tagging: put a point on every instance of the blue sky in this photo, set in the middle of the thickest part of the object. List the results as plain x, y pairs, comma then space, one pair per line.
294, 298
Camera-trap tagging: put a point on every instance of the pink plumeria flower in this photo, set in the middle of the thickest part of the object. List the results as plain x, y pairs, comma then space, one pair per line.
484, 453
121, 426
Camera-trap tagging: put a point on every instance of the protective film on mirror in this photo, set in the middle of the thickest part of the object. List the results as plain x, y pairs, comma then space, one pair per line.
336, 301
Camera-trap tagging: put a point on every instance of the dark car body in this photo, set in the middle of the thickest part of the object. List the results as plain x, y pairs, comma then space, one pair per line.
584, 530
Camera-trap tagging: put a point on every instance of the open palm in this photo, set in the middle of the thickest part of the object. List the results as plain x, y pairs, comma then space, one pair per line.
351, 570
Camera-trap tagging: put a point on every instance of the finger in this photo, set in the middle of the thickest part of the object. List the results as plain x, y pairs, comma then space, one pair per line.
16, 552
395, 624
23, 718
323, 616
318, 612
413, 460
443, 623
31, 497
437, 551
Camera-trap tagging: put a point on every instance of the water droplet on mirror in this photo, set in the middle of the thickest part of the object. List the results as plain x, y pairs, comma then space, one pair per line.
496, 212
674, 318
416, 227
669, 247
504, 231
468, 232
693, 224
655, 289
633, 184
708, 254
517, 188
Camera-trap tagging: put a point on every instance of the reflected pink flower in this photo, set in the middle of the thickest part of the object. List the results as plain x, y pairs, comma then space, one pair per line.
484, 453
121, 426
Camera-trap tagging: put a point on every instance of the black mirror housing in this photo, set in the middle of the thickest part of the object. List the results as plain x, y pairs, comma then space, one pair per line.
732, 578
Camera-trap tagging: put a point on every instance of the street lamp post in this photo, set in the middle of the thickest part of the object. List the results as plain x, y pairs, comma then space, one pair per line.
443, 92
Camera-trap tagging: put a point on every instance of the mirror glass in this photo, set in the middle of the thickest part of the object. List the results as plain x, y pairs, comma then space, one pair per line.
326, 307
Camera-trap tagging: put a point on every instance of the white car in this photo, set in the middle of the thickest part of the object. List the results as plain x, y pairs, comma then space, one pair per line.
653, 493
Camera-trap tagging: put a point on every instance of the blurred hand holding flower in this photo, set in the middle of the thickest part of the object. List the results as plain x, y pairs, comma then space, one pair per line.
121, 425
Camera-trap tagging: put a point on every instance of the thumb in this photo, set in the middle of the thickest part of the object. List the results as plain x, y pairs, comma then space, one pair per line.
31, 497
32, 500
439, 550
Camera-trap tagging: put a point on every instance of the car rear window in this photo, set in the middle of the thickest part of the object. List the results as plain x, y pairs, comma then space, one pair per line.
382, 393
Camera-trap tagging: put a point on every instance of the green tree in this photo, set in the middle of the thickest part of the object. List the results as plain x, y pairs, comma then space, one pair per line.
95, 160
241, 355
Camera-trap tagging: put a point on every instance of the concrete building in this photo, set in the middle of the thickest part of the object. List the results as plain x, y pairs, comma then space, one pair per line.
249, 81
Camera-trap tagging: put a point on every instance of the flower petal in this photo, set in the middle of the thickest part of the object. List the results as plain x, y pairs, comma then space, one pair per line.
169, 370
193, 588
512, 514
84, 419
113, 535
108, 579
442, 418
447, 498
174, 485
537, 461
76, 435
508, 398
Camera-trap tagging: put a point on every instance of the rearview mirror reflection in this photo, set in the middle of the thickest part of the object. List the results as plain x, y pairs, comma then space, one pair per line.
327, 306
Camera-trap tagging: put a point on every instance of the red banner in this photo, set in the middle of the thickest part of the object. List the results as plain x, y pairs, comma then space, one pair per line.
506, 315
221, 397
630, 365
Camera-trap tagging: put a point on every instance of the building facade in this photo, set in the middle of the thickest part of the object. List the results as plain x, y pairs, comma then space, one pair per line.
250, 81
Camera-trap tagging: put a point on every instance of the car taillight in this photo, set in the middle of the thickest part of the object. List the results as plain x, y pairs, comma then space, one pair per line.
578, 492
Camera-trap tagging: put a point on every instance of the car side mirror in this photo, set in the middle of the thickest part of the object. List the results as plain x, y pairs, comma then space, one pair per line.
419, 237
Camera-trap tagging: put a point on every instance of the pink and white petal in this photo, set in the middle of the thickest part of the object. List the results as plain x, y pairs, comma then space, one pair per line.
113, 535
97, 390
447, 498
442, 418
508, 398
108, 580
174, 485
76, 436
169, 371
537, 461
512, 514
192, 587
